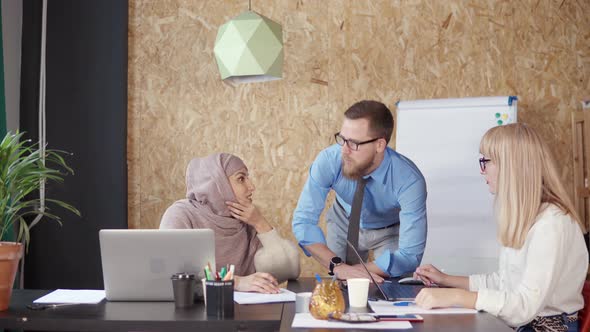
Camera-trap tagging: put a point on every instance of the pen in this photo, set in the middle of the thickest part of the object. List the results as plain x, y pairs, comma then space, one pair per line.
230, 273
404, 303
208, 273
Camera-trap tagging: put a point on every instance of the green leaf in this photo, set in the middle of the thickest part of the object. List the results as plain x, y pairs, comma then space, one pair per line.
23, 168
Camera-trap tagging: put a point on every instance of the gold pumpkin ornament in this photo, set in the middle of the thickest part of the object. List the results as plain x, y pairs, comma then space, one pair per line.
326, 298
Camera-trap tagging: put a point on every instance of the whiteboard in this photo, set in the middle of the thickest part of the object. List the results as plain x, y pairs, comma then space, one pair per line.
441, 136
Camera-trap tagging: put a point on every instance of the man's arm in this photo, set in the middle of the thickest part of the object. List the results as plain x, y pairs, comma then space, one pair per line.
412, 231
312, 202
323, 255
371, 266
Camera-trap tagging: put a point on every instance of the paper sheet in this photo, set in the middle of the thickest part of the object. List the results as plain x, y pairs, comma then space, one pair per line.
256, 298
387, 308
306, 320
81, 296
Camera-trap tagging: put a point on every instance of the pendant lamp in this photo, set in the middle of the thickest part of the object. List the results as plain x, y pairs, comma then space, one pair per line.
249, 48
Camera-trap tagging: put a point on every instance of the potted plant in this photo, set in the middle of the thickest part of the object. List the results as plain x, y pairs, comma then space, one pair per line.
23, 169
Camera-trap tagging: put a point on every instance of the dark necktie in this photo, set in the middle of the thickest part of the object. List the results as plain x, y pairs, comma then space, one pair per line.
354, 221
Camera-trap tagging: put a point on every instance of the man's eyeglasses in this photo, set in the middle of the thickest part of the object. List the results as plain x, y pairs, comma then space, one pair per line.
482, 163
352, 144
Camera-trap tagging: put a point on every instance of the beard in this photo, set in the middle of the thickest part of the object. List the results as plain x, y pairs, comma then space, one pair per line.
353, 170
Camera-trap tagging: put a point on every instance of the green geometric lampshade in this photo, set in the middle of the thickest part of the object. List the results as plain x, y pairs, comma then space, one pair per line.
249, 48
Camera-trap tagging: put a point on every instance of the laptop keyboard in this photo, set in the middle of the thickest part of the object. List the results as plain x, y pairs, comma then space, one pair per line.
394, 290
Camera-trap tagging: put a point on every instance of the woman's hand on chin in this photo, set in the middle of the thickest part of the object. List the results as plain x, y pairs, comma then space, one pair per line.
259, 282
248, 213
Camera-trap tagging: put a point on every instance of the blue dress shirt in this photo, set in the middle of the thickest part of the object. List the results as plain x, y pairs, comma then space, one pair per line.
395, 193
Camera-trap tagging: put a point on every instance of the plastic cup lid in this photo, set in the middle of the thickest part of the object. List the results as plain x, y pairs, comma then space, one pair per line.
183, 275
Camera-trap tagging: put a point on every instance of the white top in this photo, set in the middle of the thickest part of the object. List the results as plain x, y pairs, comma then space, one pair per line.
277, 256
543, 278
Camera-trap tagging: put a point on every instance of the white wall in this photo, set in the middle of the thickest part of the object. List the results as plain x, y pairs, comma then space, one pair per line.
11, 43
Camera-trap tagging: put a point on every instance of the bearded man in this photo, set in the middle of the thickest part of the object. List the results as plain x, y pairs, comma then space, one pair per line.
392, 219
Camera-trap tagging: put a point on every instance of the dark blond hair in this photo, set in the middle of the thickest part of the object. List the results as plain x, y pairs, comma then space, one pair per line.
527, 181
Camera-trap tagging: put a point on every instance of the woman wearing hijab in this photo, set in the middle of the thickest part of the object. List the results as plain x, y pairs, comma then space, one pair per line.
219, 197
543, 259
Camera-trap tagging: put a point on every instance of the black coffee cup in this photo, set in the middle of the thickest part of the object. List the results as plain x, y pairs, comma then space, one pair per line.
183, 286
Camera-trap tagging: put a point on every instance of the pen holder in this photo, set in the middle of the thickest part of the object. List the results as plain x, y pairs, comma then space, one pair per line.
220, 298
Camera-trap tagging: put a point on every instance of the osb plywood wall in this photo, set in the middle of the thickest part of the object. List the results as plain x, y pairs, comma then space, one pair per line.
336, 53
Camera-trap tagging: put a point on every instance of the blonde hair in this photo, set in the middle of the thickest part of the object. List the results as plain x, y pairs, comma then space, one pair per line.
527, 180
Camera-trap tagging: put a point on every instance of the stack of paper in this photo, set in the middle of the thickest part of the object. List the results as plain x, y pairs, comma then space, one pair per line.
389, 308
255, 298
74, 296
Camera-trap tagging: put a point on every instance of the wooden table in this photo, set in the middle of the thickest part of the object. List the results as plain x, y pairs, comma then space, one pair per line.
134, 316
162, 316
479, 322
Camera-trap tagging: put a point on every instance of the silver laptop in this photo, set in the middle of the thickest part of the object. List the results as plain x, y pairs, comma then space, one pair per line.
137, 263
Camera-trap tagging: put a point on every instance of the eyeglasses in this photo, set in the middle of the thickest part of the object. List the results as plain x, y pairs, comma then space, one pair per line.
482, 163
352, 144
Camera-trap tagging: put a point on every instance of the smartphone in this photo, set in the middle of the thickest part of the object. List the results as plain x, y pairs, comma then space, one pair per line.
407, 317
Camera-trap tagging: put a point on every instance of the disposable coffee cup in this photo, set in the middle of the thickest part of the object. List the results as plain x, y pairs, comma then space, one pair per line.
358, 292
183, 286
302, 302
204, 290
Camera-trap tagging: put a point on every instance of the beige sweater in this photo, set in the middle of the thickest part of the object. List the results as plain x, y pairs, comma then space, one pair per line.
277, 256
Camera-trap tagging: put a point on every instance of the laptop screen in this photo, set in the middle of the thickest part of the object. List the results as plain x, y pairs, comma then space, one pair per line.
385, 297
391, 291
137, 263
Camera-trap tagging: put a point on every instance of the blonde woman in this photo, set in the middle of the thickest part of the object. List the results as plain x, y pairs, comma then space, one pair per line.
543, 259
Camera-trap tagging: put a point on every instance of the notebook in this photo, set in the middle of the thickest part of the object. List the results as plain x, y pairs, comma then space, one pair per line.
137, 263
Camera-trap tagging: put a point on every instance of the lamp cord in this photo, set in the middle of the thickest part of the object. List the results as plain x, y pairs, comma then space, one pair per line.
42, 133
249, 5
42, 128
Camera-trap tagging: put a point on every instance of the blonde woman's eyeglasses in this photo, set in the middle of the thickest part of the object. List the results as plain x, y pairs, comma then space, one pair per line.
482, 163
